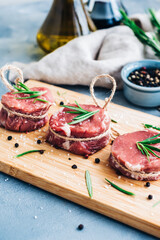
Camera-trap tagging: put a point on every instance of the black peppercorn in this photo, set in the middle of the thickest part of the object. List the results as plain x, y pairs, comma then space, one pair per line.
9, 138
80, 227
112, 142
74, 166
147, 184
69, 158
38, 141
56, 147
150, 196
86, 156
97, 160
61, 103
16, 145
41, 151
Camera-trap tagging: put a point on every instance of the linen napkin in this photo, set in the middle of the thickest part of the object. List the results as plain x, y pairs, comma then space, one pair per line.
80, 60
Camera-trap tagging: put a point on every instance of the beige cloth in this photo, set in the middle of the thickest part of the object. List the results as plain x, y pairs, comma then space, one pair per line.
102, 52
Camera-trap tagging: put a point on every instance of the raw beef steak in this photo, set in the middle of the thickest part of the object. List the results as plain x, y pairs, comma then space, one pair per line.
128, 159
92, 127
11, 105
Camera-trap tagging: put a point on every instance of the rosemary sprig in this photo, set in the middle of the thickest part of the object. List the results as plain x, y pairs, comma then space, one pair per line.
147, 149
154, 20
150, 40
119, 189
151, 126
23, 89
31, 151
89, 183
83, 114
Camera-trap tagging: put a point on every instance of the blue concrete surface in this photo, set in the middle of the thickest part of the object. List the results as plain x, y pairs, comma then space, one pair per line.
26, 212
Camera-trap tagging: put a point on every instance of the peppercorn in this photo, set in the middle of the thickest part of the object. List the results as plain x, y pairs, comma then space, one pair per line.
147, 184
80, 227
38, 141
97, 160
9, 138
150, 196
69, 158
41, 151
86, 156
147, 77
61, 103
112, 142
144, 68
57, 147
74, 166
16, 145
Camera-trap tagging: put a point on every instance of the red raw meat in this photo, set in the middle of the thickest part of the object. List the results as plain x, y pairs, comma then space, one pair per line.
126, 157
92, 127
25, 106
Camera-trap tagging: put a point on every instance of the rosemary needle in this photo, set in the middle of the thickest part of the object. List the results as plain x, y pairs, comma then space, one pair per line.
154, 205
75, 108
119, 189
31, 151
33, 95
151, 126
84, 117
89, 183
114, 121
23, 86
41, 100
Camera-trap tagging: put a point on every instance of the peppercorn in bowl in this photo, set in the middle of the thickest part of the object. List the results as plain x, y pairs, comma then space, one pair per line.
142, 82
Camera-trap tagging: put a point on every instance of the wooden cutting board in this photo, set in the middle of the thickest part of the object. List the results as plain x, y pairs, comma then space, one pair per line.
52, 171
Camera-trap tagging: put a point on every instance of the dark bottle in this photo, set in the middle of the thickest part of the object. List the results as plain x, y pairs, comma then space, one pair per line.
105, 13
66, 20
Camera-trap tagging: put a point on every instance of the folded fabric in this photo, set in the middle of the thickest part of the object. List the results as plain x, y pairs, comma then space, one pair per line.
102, 52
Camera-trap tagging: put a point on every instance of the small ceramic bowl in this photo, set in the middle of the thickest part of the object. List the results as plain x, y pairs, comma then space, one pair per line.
139, 95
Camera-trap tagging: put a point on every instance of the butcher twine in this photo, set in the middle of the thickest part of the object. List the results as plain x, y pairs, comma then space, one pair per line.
107, 101
11, 88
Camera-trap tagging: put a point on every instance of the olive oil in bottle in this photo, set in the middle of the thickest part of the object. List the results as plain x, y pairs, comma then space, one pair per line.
67, 19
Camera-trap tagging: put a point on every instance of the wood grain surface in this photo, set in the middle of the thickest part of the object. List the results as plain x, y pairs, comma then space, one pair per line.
52, 171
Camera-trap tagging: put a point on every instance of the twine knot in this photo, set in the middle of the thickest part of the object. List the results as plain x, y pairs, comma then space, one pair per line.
17, 80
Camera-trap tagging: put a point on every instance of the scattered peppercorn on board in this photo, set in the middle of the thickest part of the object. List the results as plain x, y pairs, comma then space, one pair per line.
53, 172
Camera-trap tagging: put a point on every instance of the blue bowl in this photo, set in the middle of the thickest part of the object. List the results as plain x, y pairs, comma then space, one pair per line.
139, 95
